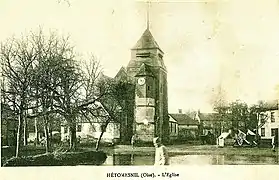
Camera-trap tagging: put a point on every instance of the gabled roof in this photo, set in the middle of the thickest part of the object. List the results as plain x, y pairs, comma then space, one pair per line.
121, 71
146, 41
183, 119
122, 74
144, 71
269, 105
103, 77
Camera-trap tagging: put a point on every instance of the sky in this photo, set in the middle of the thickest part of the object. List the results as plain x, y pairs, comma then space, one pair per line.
232, 45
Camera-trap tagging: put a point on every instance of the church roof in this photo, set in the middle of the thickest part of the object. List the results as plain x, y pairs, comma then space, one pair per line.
146, 41
122, 72
144, 70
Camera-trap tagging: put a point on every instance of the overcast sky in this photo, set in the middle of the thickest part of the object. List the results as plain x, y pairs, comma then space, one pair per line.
232, 43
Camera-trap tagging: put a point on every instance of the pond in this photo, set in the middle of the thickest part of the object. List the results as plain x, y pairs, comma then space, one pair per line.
148, 159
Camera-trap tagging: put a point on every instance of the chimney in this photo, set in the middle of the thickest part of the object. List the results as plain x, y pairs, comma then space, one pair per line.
180, 111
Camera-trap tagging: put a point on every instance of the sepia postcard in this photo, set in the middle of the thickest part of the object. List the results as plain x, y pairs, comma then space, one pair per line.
147, 89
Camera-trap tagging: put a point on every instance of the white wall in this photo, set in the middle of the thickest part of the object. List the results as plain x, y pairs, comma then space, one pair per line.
94, 131
173, 129
270, 125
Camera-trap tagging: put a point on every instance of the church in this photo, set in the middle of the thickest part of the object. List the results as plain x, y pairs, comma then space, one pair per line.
144, 110
146, 113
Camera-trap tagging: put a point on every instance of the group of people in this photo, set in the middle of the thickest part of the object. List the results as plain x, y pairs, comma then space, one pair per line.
161, 153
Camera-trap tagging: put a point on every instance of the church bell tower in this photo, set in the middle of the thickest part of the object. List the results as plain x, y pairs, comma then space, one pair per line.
151, 92
144, 124
147, 108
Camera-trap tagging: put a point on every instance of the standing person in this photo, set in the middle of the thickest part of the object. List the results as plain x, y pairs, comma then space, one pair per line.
133, 140
161, 154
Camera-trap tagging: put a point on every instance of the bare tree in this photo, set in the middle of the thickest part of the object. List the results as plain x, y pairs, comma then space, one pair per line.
44, 75
53, 53
105, 98
115, 103
17, 58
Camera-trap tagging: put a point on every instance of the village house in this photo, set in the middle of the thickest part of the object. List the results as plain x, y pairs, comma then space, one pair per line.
268, 124
90, 128
90, 131
188, 128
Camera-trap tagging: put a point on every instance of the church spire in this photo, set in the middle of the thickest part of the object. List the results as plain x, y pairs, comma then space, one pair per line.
147, 14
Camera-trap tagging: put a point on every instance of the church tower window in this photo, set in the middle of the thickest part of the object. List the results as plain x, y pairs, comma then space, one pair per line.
144, 55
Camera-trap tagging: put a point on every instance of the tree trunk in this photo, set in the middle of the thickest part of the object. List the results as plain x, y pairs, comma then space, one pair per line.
103, 128
36, 132
46, 134
99, 140
19, 135
25, 130
50, 135
73, 136
257, 128
36, 122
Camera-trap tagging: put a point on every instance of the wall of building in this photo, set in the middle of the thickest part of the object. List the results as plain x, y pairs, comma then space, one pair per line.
145, 132
88, 131
268, 124
173, 130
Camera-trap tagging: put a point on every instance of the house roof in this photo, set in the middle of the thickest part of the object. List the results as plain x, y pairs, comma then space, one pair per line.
269, 105
146, 41
172, 120
183, 119
224, 135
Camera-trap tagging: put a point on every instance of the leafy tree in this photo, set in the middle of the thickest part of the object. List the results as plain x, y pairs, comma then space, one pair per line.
221, 106
239, 114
